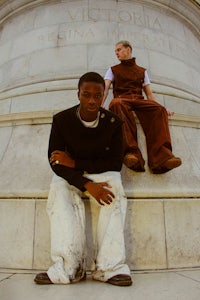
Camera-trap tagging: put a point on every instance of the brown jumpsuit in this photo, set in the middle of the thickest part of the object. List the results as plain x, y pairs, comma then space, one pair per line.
153, 117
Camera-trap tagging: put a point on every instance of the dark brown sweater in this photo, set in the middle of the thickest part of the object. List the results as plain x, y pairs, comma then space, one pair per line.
95, 150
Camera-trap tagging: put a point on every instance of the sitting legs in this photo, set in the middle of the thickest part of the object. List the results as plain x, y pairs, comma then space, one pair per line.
68, 242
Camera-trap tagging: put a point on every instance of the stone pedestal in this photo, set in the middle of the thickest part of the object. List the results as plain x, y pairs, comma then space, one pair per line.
45, 46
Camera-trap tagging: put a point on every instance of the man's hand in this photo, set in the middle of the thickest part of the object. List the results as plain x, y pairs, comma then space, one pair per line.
100, 191
170, 113
61, 158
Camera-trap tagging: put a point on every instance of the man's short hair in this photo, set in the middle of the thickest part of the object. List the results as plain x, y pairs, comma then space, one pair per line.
91, 77
125, 44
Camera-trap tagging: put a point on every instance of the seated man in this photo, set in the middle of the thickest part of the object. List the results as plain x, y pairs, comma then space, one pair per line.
129, 80
85, 152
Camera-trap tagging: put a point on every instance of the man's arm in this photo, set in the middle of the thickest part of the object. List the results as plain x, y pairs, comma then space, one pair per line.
150, 96
99, 190
60, 163
107, 87
148, 92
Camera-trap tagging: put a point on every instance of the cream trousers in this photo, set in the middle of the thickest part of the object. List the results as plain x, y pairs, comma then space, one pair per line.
66, 211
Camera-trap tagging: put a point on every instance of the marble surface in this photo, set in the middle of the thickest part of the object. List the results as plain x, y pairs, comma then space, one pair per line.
159, 233
79, 36
175, 285
182, 221
44, 48
25, 171
16, 233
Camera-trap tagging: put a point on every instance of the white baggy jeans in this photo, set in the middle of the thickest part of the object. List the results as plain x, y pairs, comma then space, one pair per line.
66, 211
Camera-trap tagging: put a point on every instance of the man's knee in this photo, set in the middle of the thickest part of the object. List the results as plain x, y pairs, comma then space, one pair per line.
161, 109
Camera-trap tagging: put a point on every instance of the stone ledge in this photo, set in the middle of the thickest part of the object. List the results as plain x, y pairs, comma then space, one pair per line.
45, 117
25, 172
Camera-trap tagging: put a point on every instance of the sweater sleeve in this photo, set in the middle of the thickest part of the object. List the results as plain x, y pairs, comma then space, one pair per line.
72, 176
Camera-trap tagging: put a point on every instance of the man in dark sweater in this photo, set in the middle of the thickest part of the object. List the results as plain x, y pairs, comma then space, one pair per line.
85, 153
129, 81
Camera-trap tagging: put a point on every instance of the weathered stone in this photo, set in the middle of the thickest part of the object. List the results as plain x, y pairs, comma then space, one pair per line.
45, 46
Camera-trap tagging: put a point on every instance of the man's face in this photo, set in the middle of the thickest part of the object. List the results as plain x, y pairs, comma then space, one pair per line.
90, 96
122, 52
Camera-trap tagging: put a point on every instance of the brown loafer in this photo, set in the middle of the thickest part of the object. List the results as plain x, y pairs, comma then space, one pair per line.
172, 163
132, 162
168, 165
120, 280
42, 278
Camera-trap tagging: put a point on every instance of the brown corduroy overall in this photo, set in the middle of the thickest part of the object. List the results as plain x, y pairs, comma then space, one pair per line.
127, 90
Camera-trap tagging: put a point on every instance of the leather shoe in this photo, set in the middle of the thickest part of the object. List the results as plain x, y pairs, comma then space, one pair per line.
168, 165
120, 280
132, 162
172, 163
42, 278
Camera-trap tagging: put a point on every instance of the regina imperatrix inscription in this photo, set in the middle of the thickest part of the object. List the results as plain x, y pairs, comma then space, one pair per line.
148, 28
96, 25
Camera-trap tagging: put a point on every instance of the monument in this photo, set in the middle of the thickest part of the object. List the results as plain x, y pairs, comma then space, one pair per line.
45, 46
